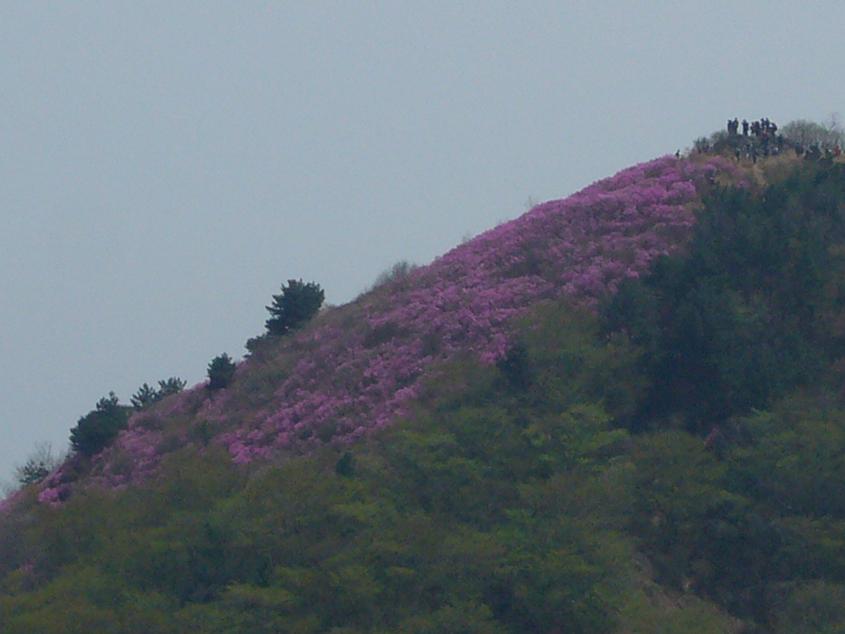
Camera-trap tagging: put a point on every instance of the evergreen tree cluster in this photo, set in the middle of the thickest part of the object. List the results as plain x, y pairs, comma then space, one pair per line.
147, 395
752, 310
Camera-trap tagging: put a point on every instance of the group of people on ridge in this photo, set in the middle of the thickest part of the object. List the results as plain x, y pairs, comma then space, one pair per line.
760, 128
766, 140
761, 138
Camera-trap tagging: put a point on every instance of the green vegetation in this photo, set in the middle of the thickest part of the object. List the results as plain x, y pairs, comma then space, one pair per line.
144, 397
297, 303
147, 395
826, 136
496, 508
221, 371
99, 427
752, 310
37, 466
675, 463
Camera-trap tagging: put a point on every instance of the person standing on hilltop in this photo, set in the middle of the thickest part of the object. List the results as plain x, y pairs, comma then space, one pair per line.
733, 127
745, 127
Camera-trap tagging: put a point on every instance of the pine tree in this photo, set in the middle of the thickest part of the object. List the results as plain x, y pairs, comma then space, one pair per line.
173, 385
144, 397
98, 427
296, 304
221, 370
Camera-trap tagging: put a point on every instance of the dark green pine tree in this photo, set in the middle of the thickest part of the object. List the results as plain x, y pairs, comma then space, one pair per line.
295, 305
144, 397
221, 371
173, 385
98, 427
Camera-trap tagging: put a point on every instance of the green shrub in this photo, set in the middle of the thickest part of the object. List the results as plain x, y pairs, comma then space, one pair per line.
345, 466
815, 607
515, 367
38, 466
396, 275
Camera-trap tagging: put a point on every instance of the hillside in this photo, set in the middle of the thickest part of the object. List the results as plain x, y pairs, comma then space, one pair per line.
620, 412
360, 365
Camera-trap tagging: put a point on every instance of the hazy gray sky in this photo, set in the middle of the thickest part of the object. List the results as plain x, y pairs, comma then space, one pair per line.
166, 165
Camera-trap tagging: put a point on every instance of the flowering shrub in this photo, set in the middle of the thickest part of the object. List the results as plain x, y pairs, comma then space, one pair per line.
358, 367
580, 247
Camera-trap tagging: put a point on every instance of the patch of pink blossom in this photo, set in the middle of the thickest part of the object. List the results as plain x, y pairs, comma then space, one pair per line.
580, 247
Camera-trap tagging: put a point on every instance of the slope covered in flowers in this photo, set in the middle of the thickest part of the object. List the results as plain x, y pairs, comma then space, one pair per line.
358, 367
